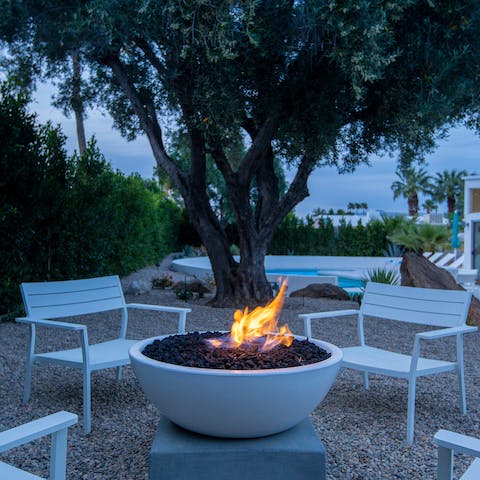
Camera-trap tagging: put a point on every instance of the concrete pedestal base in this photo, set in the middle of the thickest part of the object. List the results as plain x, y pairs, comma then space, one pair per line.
297, 454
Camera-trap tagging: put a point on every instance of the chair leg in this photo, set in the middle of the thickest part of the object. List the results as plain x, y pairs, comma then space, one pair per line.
119, 373
461, 386
365, 380
445, 464
411, 409
58, 455
87, 421
28, 381
29, 366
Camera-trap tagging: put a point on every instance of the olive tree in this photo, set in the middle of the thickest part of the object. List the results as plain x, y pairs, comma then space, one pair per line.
311, 82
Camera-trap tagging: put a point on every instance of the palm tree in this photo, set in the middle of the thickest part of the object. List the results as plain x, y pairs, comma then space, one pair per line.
411, 182
449, 186
430, 205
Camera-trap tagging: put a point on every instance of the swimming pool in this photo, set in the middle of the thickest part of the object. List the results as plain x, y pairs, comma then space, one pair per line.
343, 281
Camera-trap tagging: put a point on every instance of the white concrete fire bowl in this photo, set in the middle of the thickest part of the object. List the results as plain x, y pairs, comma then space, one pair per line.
235, 403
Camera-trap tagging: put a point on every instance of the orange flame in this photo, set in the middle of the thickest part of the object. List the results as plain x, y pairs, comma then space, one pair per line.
261, 323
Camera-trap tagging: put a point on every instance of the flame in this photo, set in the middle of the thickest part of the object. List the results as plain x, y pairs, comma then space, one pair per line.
259, 325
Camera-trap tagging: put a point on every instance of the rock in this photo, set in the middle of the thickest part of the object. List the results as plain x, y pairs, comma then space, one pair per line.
417, 271
322, 290
195, 286
138, 287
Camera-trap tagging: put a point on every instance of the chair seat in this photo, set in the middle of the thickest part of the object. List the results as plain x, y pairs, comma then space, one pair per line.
473, 471
102, 355
376, 360
9, 472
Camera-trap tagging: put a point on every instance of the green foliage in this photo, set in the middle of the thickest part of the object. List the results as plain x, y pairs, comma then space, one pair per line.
381, 275
305, 237
421, 238
449, 186
314, 83
64, 218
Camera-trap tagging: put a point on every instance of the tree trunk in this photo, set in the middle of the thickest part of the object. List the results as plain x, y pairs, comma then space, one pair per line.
451, 203
413, 205
77, 102
238, 283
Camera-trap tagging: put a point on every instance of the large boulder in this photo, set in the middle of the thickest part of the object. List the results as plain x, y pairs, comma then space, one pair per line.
322, 290
138, 287
417, 271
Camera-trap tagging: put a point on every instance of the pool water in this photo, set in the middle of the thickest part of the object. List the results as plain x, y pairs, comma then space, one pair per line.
343, 282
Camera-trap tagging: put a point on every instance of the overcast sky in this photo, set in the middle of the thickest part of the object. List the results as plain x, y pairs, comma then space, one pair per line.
327, 188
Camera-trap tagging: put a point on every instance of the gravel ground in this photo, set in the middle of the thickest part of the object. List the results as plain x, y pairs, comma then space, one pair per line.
363, 431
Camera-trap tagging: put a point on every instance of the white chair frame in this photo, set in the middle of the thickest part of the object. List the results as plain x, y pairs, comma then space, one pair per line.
449, 442
51, 300
55, 425
441, 308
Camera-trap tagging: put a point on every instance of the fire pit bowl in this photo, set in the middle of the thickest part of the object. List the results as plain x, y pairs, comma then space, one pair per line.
235, 403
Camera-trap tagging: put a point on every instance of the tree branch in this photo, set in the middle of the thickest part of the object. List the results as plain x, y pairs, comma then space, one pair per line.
268, 193
297, 191
223, 165
260, 144
145, 111
150, 54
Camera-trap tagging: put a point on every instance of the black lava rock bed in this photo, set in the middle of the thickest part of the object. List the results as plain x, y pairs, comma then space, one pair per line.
193, 350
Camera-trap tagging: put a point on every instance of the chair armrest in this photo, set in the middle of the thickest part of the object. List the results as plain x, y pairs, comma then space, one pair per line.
446, 332
159, 308
307, 317
35, 429
334, 313
182, 312
52, 323
458, 442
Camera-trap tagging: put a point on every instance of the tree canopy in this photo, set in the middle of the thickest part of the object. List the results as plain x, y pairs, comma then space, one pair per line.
310, 82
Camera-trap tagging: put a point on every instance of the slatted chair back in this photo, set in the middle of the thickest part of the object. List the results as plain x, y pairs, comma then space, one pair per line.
425, 306
49, 300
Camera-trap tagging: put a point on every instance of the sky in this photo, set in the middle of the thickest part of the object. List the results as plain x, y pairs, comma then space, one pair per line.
328, 189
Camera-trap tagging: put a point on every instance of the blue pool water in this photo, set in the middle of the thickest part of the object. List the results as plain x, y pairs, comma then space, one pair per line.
343, 282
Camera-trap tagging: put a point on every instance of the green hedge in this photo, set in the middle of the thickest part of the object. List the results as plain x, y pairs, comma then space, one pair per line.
70, 217
296, 236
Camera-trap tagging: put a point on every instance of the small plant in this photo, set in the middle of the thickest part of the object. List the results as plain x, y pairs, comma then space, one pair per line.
162, 282
393, 250
421, 238
381, 275
183, 294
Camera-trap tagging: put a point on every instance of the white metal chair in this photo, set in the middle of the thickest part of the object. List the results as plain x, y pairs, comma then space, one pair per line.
441, 308
52, 300
449, 442
55, 425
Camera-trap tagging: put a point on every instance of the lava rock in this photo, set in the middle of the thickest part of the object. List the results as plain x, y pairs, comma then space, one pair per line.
322, 290
194, 350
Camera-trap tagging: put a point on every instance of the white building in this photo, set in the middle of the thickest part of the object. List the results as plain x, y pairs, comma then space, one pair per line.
471, 219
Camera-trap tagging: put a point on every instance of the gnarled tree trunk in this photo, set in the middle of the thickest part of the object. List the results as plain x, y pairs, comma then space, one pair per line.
238, 283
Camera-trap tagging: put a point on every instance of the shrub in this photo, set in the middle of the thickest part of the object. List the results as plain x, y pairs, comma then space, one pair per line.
66, 218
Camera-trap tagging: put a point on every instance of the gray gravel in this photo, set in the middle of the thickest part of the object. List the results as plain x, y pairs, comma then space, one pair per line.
363, 431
